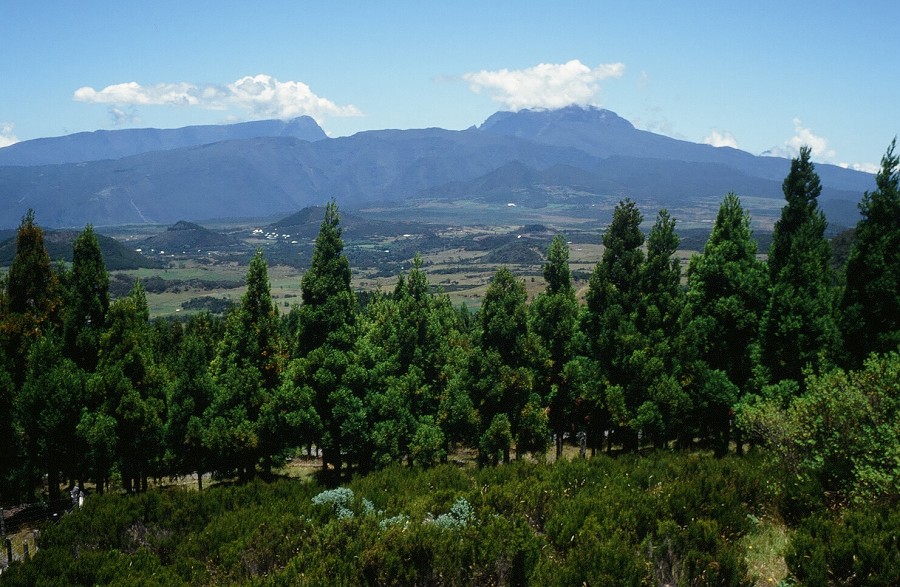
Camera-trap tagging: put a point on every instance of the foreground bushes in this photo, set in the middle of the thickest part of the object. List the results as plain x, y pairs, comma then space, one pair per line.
627, 521
859, 547
659, 519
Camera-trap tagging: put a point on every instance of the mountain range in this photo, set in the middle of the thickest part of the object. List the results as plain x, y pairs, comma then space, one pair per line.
266, 168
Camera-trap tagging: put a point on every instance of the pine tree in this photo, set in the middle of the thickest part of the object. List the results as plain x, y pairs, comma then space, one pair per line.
129, 389
798, 329
47, 411
325, 368
871, 302
328, 301
501, 369
611, 329
246, 370
10, 486
31, 283
189, 396
801, 190
661, 303
31, 301
407, 345
503, 319
663, 362
727, 293
87, 301
553, 319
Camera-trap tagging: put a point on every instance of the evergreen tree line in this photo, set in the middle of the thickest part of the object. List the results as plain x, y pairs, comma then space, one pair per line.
92, 389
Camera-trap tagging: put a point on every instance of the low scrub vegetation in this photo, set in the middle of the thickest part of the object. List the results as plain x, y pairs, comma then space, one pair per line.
675, 518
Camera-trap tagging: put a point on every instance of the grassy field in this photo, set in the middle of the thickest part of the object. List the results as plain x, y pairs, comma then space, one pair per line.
459, 272
462, 244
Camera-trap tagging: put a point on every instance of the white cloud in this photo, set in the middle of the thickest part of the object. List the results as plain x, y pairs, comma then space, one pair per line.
123, 116
180, 94
266, 96
261, 96
547, 85
865, 167
718, 138
818, 146
819, 150
7, 136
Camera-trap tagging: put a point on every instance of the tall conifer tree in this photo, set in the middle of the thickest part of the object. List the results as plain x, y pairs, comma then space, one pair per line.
503, 378
554, 318
246, 371
801, 190
325, 368
727, 293
798, 329
329, 304
32, 298
127, 388
88, 301
663, 362
610, 325
47, 412
871, 301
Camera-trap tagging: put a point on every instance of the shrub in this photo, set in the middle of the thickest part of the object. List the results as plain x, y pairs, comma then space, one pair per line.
859, 547
340, 499
460, 515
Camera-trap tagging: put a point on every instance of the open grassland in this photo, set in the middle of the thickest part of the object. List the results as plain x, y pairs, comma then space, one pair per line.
462, 243
461, 273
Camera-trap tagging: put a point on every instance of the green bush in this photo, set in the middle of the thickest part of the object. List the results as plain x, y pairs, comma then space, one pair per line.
859, 547
603, 521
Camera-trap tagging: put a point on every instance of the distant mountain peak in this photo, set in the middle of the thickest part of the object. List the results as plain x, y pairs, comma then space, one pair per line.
532, 119
254, 170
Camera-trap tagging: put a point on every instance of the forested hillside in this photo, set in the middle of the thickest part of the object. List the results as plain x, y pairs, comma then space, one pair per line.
787, 357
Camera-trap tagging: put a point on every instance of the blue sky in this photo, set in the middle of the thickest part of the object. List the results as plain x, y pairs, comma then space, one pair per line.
762, 76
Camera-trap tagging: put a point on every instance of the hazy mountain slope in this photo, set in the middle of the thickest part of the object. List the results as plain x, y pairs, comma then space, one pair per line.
573, 150
603, 133
115, 144
259, 177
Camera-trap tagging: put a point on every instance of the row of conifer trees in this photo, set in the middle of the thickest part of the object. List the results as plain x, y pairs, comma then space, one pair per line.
93, 390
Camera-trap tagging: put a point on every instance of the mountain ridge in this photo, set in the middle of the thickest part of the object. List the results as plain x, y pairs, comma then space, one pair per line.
575, 150
118, 143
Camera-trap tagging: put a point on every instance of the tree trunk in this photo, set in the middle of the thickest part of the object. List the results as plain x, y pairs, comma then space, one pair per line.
53, 481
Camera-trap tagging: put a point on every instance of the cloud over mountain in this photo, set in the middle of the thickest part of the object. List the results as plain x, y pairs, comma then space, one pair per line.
258, 96
803, 136
7, 136
819, 148
718, 138
546, 85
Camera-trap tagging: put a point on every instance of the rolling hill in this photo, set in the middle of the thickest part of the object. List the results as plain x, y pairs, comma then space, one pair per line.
116, 255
